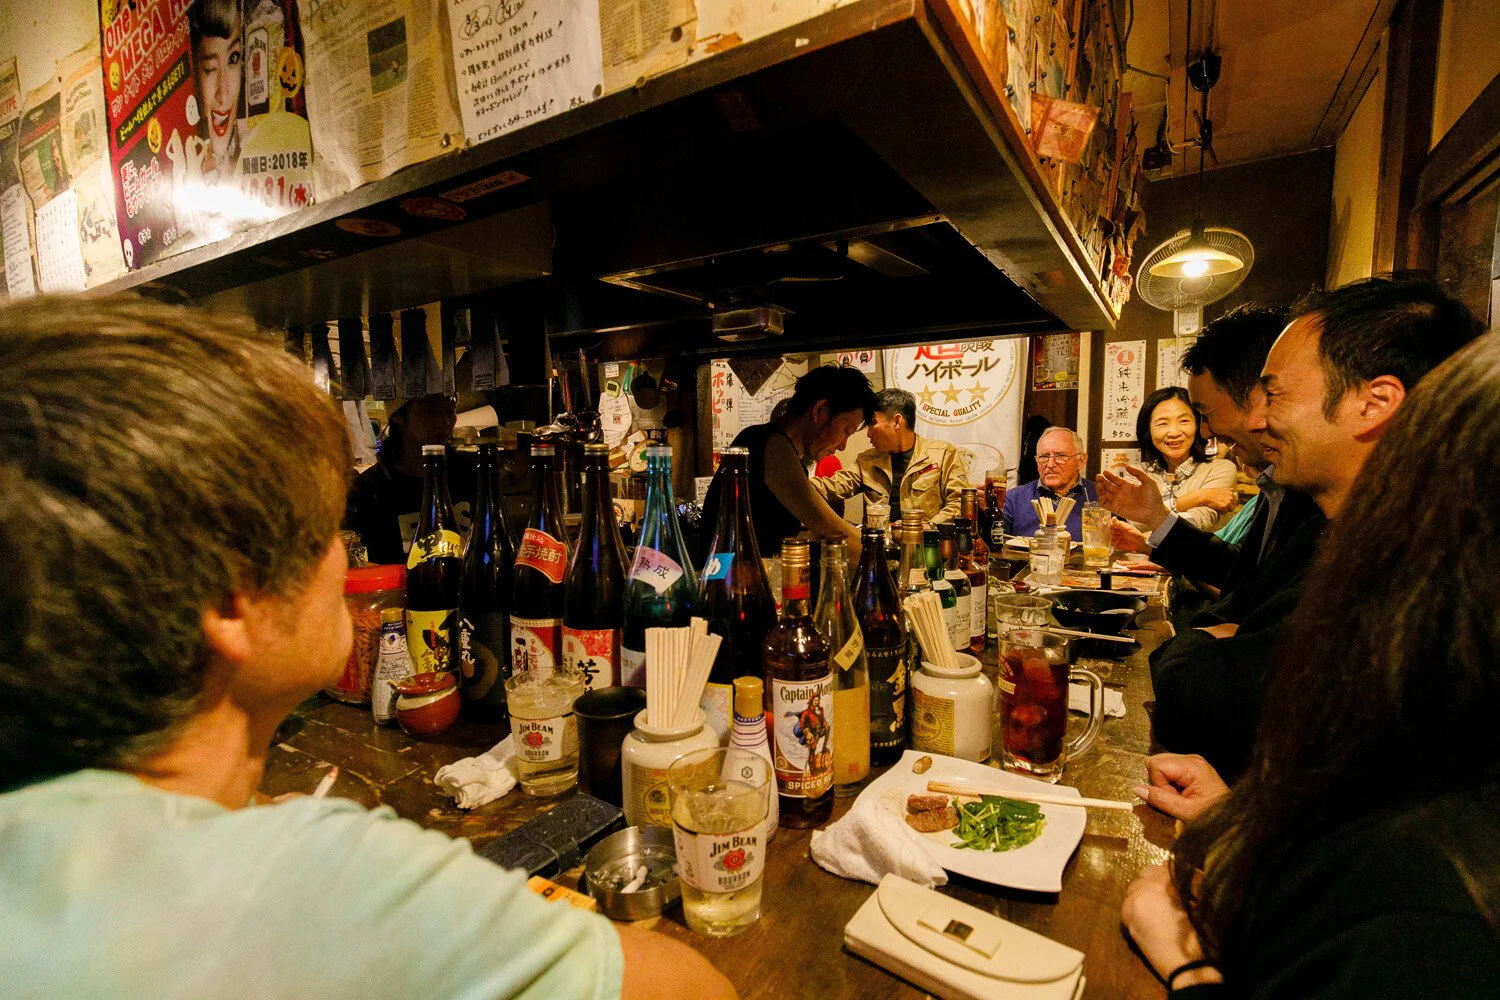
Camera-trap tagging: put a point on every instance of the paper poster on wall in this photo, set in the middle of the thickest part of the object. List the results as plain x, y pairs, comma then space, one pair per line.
86, 155
1124, 387
968, 393
382, 89
640, 39
10, 128
1169, 352
723, 394
866, 361
735, 406
520, 63
1054, 361
723, 24
59, 257
274, 165
15, 223
158, 156
42, 169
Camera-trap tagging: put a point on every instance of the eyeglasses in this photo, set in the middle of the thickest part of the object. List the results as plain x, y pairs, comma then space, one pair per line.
1054, 459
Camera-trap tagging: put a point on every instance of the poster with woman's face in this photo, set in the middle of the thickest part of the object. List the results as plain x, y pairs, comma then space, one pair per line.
217, 29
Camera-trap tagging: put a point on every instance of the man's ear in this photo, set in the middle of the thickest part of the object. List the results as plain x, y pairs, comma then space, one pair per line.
1375, 403
227, 629
819, 412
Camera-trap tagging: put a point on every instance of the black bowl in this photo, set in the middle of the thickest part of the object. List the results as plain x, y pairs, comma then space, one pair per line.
1097, 612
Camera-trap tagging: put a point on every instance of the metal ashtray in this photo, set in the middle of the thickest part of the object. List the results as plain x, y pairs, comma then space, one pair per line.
615, 862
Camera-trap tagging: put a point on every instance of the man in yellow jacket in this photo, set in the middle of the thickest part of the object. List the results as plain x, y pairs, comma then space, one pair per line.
930, 472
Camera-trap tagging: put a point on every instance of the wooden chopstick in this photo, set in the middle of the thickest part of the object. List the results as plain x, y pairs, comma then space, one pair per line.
1087, 635
948, 788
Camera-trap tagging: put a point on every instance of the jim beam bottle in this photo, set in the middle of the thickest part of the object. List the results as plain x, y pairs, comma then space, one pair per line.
595, 603
735, 595
958, 629
484, 597
799, 696
434, 569
877, 606
537, 587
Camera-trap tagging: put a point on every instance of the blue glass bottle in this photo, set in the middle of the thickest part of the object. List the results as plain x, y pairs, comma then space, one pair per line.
661, 588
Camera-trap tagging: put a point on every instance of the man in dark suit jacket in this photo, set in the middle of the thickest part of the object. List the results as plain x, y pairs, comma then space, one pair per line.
1330, 386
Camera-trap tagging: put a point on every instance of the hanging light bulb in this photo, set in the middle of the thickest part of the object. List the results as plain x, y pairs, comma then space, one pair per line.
1196, 259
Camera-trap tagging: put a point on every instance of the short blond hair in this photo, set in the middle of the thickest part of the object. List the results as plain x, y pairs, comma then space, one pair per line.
153, 460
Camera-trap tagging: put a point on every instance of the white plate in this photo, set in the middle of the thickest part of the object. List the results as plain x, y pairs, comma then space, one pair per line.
1038, 866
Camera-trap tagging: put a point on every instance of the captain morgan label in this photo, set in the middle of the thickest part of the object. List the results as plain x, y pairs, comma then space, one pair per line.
543, 553
803, 745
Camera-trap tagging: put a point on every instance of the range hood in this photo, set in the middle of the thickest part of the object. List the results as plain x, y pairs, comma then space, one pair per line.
845, 179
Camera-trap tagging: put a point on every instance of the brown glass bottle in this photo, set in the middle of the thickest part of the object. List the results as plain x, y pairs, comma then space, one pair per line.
976, 568
434, 569
537, 587
959, 633
799, 696
877, 606
594, 604
991, 520
484, 598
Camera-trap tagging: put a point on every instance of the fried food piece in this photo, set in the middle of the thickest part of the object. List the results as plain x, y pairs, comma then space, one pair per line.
933, 821
925, 803
920, 765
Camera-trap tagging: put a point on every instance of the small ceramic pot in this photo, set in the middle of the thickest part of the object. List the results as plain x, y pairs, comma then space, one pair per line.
427, 703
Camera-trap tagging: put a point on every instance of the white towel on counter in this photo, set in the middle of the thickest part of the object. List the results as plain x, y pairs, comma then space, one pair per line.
474, 781
870, 842
1078, 700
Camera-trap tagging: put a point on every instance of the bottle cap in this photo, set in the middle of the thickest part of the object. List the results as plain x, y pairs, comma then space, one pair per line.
369, 579
795, 551
596, 448
749, 697
434, 449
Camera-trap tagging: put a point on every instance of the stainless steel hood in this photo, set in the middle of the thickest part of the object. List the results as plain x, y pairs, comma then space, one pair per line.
847, 173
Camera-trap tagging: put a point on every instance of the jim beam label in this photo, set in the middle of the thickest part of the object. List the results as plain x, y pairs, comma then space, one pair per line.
429, 640
887, 670
721, 862
437, 545
543, 553
931, 723
803, 722
540, 741
591, 651
534, 643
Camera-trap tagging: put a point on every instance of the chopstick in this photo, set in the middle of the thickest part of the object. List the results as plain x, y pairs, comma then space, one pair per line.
948, 788
1087, 635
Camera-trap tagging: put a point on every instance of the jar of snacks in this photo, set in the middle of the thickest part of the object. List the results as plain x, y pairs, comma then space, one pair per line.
368, 590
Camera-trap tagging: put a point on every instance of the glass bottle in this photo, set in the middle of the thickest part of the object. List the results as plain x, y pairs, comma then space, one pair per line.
877, 607
484, 596
799, 696
993, 521
735, 594
749, 732
947, 596
835, 617
434, 568
661, 589
1049, 549
912, 573
958, 631
594, 593
537, 585
977, 570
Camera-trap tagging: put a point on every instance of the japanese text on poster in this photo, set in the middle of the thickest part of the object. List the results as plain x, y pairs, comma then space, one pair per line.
968, 394
1169, 352
520, 62
1124, 387
1054, 361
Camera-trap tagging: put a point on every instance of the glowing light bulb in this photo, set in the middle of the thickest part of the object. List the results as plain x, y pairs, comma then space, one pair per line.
1194, 268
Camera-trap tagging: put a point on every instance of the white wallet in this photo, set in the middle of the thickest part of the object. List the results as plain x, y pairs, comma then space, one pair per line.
957, 952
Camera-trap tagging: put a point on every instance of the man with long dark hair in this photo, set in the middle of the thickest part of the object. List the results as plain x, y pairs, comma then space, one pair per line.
1357, 855
1330, 386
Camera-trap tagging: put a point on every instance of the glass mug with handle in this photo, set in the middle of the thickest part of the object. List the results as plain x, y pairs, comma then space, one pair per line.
1096, 545
1033, 682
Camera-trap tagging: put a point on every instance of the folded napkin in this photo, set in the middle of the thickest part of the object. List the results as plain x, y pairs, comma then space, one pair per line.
474, 781
1078, 700
870, 842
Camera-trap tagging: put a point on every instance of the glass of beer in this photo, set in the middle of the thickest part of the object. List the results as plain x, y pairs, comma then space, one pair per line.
544, 728
1096, 548
1033, 682
720, 798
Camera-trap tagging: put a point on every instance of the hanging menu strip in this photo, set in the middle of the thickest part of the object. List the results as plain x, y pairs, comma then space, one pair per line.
416, 354
354, 367
382, 356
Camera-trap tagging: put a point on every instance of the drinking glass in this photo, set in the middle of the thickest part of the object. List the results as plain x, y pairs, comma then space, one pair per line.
1034, 677
1020, 611
720, 798
544, 728
1096, 548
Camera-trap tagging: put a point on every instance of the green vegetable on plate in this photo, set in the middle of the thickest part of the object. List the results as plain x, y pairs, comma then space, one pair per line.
997, 824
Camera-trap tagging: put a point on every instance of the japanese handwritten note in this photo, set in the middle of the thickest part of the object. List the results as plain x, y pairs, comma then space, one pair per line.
59, 256
1169, 352
1124, 387
519, 61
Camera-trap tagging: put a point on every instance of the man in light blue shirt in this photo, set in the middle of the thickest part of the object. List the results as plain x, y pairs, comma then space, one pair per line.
170, 495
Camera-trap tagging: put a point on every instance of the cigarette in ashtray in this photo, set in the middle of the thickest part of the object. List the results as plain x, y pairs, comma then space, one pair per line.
634, 885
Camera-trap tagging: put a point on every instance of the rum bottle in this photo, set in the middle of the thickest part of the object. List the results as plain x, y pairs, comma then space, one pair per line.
799, 696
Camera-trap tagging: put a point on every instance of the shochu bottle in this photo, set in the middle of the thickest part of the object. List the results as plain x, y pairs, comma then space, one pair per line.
877, 604
433, 570
595, 601
484, 597
536, 604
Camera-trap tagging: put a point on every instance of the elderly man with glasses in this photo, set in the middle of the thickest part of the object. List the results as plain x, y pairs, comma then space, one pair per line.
1060, 458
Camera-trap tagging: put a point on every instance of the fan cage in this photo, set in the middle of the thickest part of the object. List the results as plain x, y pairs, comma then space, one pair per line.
1189, 293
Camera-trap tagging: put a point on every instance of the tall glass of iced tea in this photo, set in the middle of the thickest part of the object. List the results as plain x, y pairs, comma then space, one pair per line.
1033, 682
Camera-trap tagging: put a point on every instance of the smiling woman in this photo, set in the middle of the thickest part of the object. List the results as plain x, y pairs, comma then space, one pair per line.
1172, 450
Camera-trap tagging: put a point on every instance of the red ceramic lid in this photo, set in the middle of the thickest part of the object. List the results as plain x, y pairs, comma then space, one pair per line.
430, 682
368, 579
